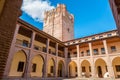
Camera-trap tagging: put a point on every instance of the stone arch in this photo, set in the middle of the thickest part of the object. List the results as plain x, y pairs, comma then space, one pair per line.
72, 69
18, 64
86, 68
116, 66
61, 69
51, 68
101, 67
37, 66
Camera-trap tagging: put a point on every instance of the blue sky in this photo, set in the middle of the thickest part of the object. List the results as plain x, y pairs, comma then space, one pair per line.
91, 16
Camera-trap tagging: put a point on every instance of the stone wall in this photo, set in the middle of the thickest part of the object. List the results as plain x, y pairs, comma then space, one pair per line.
8, 18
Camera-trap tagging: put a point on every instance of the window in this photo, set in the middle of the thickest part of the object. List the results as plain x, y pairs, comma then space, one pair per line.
109, 35
83, 69
25, 43
113, 48
86, 39
44, 49
68, 54
100, 37
68, 29
88, 52
20, 66
51, 69
75, 53
34, 67
95, 51
49, 51
36, 47
93, 38
82, 53
117, 68
103, 50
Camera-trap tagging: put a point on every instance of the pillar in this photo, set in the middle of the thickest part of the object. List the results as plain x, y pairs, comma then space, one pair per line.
109, 63
11, 52
46, 58
66, 61
78, 62
56, 67
92, 60
29, 57
9, 14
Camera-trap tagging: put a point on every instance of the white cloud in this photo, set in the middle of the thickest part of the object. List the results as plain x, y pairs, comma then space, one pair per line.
36, 8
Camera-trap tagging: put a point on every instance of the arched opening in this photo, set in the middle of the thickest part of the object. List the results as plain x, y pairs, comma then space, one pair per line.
51, 68
37, 66
61, 69
101, 68
18, 64
72, 69
86, 68
116, 67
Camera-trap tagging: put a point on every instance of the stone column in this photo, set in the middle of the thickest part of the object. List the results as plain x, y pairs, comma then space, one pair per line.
46, 58
8, 17
109, 63
29, 57
56, 67
78, 61
47, 46
92, 60
66, 61
11, 52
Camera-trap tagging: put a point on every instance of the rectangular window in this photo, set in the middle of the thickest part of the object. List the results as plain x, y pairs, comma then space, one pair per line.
82, 53
103, 50
83, 69
109, 35
25, 43
34, 67
68, 54
20, 66
88, 52
36, 47
117, 68
44, 49
113, 48
93, 38
95, 51
49, 51
100, 37
51, 69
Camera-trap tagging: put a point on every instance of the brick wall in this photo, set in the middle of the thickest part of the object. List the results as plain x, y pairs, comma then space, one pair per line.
8, 18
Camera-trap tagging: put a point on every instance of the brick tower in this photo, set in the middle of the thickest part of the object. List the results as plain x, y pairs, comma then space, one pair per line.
59, 23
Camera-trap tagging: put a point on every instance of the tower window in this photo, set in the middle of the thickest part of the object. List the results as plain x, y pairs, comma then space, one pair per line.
20, 66
68, 29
